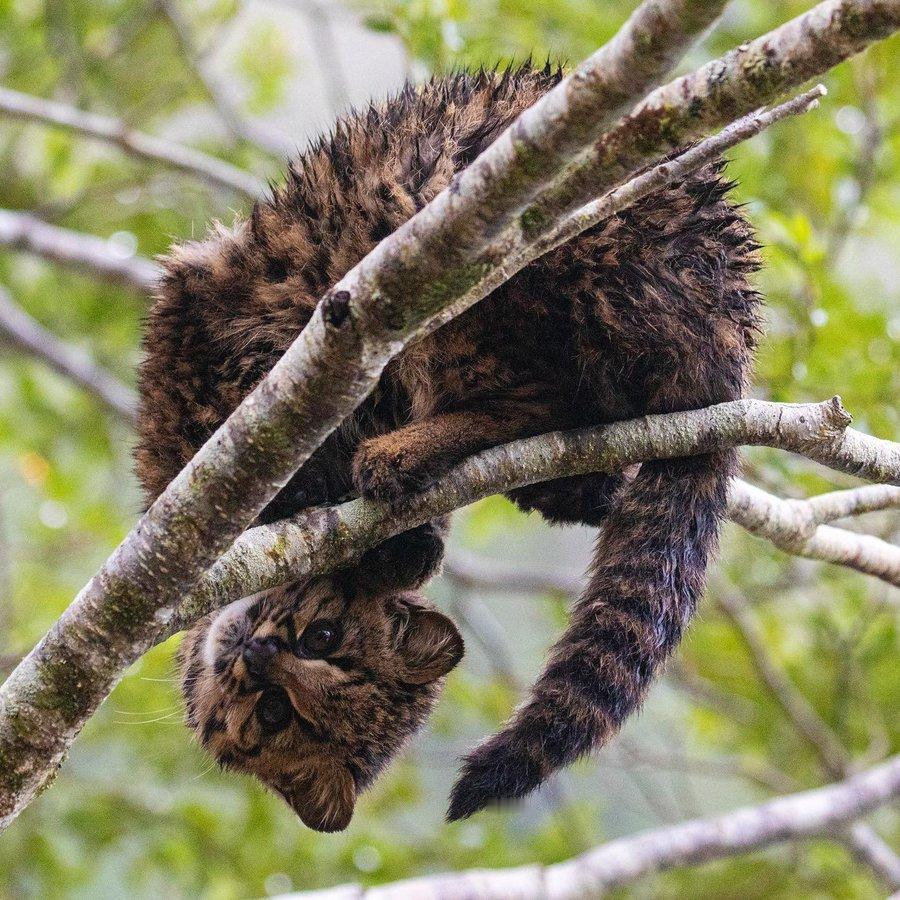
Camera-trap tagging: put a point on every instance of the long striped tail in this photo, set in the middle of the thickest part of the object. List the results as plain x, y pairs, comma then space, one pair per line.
648, 573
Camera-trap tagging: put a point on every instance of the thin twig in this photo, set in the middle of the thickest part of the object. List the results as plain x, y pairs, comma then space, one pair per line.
799, 711
702, 154
863, 840
792, 525
763, 774
136, 143
23, 231
328, 59
17, 327
220, 92
474, 570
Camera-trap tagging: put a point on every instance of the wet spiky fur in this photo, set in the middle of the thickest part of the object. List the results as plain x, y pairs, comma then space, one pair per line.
649, 311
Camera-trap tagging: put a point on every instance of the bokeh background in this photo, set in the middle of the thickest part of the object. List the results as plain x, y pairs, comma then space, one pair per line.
137, 810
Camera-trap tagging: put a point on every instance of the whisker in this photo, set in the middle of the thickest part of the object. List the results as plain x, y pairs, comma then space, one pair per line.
171, 718
204, 773
145, 712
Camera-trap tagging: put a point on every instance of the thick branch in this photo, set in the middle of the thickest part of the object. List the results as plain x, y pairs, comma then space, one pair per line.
795, 817
745, 78
136, 143
17, 327
386, 301
793, 526
323, 539
23, 231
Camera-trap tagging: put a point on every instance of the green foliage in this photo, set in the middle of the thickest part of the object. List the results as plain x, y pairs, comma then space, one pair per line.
137, 810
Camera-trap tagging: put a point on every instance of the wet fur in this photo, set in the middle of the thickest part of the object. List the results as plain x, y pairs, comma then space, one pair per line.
650, 311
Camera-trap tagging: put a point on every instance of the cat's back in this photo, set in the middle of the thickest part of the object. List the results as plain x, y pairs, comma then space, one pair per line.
229, 305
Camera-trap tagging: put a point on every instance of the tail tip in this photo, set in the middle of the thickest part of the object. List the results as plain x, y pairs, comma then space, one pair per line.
492, 774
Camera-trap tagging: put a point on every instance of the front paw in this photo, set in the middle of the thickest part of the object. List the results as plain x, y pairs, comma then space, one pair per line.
406, 561
387, 473
308, 487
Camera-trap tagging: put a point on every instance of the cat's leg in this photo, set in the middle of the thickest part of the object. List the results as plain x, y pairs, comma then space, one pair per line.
576, 500
412, 457
323, 478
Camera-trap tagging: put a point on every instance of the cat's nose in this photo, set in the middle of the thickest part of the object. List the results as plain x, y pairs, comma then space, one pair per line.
257, 654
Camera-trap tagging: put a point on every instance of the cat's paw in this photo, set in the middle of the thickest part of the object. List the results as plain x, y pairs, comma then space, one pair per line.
405, 561
498, 771
385, 471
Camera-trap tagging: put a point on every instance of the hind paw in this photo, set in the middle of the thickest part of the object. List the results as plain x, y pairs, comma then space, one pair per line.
495, 772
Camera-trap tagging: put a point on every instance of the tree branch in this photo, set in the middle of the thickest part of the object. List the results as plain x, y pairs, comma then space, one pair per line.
427, 271
863, 841
136, 143
621, 862
793, 526
18, 328
328, 61
799, 711
871, 850
655, 179
745, 78
472, 570
760, 773
24, 231
324, 539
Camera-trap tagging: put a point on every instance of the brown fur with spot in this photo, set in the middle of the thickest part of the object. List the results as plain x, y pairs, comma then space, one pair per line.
649, 311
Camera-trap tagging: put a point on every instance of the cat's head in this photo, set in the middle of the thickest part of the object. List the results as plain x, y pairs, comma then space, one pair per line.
314, 688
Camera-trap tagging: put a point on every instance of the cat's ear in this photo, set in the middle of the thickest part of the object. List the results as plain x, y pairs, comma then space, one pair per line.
430, 645
324, 799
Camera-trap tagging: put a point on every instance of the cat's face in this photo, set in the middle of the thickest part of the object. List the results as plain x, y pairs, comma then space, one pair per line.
314, 689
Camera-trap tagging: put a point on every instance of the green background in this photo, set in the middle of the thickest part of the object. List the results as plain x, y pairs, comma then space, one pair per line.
137, 810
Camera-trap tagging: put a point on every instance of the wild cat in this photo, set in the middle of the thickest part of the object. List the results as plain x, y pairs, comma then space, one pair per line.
314, 687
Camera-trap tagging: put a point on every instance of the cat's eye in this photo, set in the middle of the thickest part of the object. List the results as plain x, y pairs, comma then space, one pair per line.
274, 710
320, 638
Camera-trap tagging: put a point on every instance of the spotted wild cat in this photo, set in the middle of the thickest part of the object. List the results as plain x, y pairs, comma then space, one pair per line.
650, 311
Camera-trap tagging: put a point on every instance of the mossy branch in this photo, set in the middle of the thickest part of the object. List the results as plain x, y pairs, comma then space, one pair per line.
324, 539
